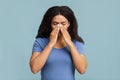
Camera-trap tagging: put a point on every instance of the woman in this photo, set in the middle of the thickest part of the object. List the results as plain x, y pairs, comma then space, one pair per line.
58, 49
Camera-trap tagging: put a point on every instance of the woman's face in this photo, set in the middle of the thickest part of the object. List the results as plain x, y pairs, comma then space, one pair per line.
60, 21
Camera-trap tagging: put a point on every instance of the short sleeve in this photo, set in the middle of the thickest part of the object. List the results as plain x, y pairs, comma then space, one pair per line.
36, 46
79, 46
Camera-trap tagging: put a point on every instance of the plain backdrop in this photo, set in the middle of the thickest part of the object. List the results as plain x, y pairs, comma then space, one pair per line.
99, 26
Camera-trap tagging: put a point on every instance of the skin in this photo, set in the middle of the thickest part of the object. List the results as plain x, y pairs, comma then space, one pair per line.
59, 38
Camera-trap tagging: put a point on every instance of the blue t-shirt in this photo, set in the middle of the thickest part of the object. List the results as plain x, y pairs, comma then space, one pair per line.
59, 65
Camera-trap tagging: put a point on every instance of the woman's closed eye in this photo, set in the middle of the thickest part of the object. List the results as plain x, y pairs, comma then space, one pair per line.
55, 24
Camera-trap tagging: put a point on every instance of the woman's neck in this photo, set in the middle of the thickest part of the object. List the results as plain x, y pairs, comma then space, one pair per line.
60, 42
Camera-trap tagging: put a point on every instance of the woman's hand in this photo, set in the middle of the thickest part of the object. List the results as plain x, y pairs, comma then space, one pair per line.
54, 36
66, 35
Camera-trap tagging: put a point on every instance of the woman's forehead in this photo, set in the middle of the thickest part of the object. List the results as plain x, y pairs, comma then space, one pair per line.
59, 18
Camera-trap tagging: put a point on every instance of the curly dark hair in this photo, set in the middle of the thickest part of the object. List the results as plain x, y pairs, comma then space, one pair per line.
45, 26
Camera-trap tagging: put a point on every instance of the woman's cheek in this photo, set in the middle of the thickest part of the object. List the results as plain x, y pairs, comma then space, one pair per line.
53, 26
66, 26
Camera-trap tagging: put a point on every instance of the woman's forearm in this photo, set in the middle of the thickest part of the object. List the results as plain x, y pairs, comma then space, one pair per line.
78, 59
38, 61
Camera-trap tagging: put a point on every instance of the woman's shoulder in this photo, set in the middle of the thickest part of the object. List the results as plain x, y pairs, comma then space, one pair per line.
40, 39
76, 42
39, 44
79, 45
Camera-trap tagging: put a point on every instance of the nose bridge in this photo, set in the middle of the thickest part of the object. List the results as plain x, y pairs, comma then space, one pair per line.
59, 25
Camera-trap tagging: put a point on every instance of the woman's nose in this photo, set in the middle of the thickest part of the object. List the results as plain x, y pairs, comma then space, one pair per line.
59, 25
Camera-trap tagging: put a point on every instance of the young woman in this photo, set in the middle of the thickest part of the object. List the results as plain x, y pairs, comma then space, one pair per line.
58, 49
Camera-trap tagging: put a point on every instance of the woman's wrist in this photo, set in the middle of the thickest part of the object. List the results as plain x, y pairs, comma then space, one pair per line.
50, 45
70, 44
